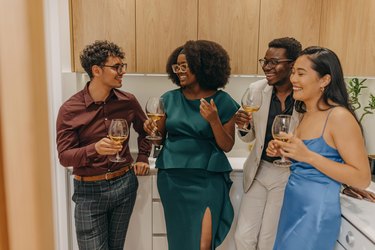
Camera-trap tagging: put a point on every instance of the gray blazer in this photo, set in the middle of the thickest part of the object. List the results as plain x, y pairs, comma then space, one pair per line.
257, 133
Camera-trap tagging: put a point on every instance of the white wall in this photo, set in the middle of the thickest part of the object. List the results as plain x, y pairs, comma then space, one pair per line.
368, 121
143, 86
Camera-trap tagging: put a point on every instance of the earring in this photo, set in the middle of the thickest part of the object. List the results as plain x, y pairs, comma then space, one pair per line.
322, 89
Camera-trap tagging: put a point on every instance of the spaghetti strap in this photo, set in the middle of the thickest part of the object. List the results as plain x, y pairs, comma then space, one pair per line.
326, 121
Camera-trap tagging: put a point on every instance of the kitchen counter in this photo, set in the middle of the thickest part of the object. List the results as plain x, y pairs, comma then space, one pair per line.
360, 213
235, 162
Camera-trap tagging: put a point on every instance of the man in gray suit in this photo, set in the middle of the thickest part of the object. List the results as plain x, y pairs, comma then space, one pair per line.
264, 183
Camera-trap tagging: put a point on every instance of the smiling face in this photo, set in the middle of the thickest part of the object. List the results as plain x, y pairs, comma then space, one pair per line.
187, 79
277, 74
108, 76
307, 84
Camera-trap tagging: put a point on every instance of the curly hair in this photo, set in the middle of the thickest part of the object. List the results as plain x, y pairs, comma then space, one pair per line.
98, 53
325, 62
291, 45
207, 60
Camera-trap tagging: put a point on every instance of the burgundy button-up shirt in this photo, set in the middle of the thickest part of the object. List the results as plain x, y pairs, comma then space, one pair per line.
81, 123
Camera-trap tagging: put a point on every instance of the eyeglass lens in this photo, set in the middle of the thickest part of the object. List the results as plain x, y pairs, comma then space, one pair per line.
179, 68
272, 62
121, 67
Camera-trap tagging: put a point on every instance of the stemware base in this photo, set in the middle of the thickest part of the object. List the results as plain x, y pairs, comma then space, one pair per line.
154, 138
282, 164
114, 159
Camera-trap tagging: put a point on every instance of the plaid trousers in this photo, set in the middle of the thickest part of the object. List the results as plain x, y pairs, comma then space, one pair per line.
102, 211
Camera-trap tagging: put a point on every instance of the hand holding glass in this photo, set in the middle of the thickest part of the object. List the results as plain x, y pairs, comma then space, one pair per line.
250, 102
155, 111
282, 124
118, 132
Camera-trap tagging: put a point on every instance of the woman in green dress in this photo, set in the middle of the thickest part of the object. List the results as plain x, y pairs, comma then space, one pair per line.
198, 127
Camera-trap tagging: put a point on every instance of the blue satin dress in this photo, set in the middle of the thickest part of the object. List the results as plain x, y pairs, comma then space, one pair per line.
310, 215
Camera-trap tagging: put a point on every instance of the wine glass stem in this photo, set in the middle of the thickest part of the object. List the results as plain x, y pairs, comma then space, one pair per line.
282, 159
117, 156
246, 125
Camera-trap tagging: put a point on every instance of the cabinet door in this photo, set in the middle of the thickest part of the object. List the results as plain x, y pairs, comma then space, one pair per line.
139, 235
161, 27
237, 32
112, 20
353, 239
292, 18
338, 246
348, 28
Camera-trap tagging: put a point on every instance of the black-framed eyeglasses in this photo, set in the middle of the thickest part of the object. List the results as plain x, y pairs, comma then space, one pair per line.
273, 62
118, 67
182, 68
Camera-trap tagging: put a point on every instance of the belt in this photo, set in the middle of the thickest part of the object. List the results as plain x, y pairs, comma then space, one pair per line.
107, 176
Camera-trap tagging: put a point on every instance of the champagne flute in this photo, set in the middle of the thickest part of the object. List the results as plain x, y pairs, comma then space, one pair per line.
282, 124
118, 132
155, 111
250, 102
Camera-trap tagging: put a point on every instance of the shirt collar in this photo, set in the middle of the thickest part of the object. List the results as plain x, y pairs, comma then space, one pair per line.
114, 94
289, 97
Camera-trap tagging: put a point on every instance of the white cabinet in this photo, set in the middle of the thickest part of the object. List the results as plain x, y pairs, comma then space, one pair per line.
139, 236
338, 246
352, 239
158, 223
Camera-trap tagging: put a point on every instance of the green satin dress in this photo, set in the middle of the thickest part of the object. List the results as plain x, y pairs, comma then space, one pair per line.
193, 172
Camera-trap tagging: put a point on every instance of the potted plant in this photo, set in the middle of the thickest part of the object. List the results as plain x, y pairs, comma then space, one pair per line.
355, 87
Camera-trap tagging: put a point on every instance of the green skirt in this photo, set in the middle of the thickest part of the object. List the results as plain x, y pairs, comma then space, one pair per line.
185, 195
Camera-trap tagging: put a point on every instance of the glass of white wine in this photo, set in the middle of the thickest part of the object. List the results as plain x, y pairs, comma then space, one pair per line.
118, 132
250, 102
282, 125
155, 111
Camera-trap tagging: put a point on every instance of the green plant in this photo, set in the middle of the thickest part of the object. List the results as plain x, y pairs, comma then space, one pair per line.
355, 87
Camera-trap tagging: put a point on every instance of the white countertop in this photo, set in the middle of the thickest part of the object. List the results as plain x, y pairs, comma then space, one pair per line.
235, 162
360, 213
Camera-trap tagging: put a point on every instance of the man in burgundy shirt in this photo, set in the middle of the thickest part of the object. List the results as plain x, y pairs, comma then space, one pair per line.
104, 191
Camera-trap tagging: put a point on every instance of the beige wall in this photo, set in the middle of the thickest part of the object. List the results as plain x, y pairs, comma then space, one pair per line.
25, 190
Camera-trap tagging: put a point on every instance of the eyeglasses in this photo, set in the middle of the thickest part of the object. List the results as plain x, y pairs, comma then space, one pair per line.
118, 67
182, 68
272, 62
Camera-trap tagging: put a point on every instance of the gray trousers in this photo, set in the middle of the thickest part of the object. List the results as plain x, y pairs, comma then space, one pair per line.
102, 211
260, 208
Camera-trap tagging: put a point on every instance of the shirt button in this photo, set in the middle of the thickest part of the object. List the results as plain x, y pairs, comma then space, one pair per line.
105, 119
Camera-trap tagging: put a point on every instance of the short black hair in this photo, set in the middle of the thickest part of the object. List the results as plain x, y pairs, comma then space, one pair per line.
325, 62
97, 53
207, 60
290, 44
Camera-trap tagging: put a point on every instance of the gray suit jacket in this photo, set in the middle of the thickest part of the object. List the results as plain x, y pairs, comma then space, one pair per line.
257, 133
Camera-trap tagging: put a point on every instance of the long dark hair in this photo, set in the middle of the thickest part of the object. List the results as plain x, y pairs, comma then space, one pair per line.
325, 61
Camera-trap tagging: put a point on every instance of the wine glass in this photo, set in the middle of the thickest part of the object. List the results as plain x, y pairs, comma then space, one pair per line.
285, 124
118, 132
250, 102
155, 111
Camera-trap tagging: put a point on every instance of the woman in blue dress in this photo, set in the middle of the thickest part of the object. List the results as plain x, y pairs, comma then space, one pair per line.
327, 149
198, 127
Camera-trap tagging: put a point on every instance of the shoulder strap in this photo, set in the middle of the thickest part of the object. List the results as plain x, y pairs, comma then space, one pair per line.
325, 124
